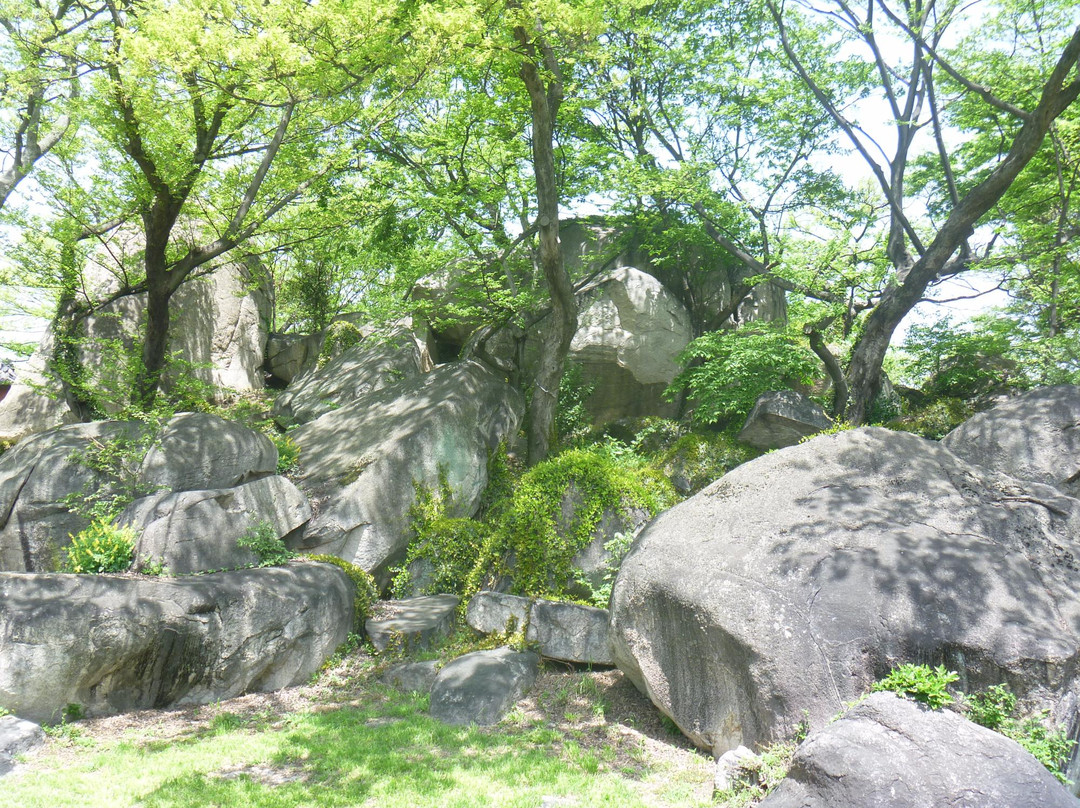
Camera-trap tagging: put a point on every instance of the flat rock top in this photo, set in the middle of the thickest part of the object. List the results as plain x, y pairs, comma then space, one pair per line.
413, 614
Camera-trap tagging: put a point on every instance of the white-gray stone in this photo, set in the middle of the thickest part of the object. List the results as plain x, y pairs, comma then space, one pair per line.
363, 461
17, 737
381, 359
479, 688
412, 624
630, 333
412, 677
560, 630
889, 752
113, 644
799, 578
782, 418
729, 766
197, 531
1035, 436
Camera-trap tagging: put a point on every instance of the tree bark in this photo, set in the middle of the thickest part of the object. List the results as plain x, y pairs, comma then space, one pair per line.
559, 328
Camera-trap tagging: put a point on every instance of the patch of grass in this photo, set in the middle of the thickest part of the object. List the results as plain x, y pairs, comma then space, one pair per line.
385, 753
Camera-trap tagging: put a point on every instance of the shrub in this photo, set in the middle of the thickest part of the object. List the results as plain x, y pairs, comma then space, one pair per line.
102, 547
921, 683
935, 420
263, 540
696, 460
288, 453
995, 708
727, 370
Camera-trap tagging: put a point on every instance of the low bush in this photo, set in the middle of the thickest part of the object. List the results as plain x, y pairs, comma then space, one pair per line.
102, 547
263, 540
921, 683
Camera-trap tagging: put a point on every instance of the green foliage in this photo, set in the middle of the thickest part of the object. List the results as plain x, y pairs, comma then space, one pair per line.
835, 429
757, 777
936, 420
446, 545
572, 420
727, 370
542, 538
367, 593
995, 708
263, 540
921, 683
340, 336
699, 458
102, 547
954, 362
288, 452
616, 548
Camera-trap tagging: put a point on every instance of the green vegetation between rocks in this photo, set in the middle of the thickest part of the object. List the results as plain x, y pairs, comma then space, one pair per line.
262, 539
367, 593
533, 529
102, 547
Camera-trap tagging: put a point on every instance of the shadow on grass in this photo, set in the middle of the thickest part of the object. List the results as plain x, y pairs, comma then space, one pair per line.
347, 757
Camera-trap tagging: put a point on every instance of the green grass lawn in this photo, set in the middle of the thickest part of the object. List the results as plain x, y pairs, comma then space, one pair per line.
385, 752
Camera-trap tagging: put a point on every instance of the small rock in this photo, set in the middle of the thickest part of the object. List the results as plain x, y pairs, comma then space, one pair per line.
782, 418
415, 623
17, 737
411, 677
479, 688
728, 767
567, 631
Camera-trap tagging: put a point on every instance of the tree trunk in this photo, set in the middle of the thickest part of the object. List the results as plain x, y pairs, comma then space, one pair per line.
559, 328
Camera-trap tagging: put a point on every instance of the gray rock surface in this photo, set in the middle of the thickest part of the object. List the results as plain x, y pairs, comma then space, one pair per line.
1035, 436
782, 418
888, 752
217, 329
197, 531
479, 688
797, 579
361, 462
289, 355
114, 644
630, 331
380, 360
17, 737
412, 677
199, 451
567, 631
194, 451
413, 623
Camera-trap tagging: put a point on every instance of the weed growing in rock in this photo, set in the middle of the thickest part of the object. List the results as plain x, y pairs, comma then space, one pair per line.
921, 683
263, 540
102, 547
995, 708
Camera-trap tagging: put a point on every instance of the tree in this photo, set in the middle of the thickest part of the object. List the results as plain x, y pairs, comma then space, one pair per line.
920, 253
39, 66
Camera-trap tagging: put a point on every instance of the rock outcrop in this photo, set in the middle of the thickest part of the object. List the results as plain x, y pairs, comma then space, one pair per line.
797, 579
479, 688
39, 475
198, 531
112, 644
887, 751
362, 462
782, 418
630, 333
1035, 436
217, 330
380, 360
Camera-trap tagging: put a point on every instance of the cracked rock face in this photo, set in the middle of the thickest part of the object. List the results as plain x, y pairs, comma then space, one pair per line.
894, 752
1034, 437
796, 580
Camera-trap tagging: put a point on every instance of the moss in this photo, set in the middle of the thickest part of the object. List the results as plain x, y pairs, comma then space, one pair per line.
367, 593
340, 336
695, 460
936, 420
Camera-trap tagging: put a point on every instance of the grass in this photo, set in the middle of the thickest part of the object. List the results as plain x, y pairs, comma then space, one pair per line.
373, 747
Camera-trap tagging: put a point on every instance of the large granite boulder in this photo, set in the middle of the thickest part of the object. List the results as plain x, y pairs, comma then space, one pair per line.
782, 418
193, 451
1034, 437
797, 579
112, 644
630, 333
379, 360
362, 462
217, 330
198, 531
479, 688
888, 752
